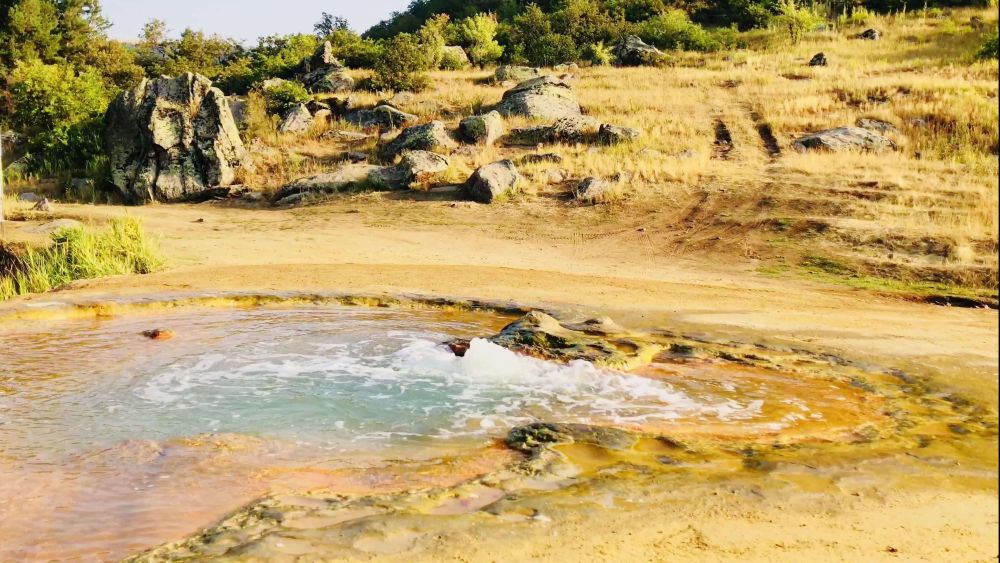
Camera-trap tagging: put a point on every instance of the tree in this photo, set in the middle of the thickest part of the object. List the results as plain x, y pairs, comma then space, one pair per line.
61, 110
328, 24
796, 20
478, 36
432, 37
31, 33
81, 27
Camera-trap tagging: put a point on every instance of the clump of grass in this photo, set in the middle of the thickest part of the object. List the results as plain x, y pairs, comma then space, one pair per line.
77, 253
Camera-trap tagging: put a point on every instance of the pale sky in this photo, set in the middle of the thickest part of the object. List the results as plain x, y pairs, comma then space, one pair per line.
245, 20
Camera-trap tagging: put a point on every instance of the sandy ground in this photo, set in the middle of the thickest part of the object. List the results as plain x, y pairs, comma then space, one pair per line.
541, 258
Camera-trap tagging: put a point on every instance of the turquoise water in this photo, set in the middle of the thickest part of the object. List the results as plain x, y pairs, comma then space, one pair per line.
337, 378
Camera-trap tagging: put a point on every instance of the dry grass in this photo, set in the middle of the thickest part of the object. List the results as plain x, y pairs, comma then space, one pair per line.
925, 212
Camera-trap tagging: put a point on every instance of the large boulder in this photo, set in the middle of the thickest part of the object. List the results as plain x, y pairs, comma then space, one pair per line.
431, 136
382, 117
493, 182
515, 73
329, 80
296, 120
481, 129
325, 74
633, 51
170, 138
420, 167
544, 97
843, 139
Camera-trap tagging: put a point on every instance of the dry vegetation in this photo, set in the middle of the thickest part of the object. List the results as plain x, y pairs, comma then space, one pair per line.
921, 220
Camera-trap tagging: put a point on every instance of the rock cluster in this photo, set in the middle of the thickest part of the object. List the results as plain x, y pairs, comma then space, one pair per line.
325, 74
168, 139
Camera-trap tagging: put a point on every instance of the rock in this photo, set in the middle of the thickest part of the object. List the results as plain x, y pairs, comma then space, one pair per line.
296, 120
567, 67
633, 51
43, 205
541, 98
238, 107
349, 175
388, 178
819, 59
458, 346
555, 176
382, 117
323, 117
580, 129
29, 197
401, 99
54, 226
650, 152
592, 190
351, 156
844, 139
252, 197
538, 435
323, 57
515, 73
426, 137
540, 335
315, 106
482, 129
539, 158
615, 135
272, 82
325, 74
158, 334
422, 166
170, 137
870, 35
877, 125
493, 182
454, 57
350, 137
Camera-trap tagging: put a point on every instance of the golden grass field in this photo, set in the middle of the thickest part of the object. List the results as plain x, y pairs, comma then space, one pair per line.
920, 220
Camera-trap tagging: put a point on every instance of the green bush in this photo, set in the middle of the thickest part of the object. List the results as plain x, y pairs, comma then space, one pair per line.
61, 111
352, 50
599, 54
796, 20
78, 253
673, 29
988, 48
400, 66
432, 36
284, 95
281, 56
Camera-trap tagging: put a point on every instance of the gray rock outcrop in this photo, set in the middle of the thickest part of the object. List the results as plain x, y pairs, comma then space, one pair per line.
170, 138
843, 139
544, 97
431, 136
482, 129
296, 120
633, 51
381, 117
515, 73
493, 182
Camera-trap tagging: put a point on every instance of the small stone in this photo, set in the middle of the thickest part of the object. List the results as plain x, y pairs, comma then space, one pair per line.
870, 35
482, 129
615, 135
158, 334
493, 182
819, 59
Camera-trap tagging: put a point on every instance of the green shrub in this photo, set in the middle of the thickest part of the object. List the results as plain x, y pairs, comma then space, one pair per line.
431, 36
281, 56
988, 48
61, 111
353, 50
78, 253
453, 61
796, 20
599, 54
284, 95
400, 66
673, 29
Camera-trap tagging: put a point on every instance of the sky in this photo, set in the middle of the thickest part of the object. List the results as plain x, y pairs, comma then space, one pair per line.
245, 20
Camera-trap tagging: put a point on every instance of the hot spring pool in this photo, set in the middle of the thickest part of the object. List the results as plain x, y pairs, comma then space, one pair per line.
111, 442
